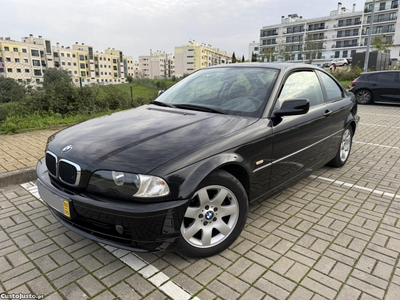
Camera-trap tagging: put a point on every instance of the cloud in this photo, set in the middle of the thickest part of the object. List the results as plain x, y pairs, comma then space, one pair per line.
136, 26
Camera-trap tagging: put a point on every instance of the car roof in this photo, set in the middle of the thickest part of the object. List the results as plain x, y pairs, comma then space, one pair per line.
379, 72
273, 65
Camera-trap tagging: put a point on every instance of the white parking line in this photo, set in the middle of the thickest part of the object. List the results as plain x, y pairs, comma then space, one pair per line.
359, 187
148, 271
378, 145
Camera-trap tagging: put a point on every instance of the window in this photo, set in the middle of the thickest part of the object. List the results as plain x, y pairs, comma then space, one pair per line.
382, 5
55, 54
17, 60
35, 52
26, 60
337, 54
81, 57
115, 75
8, 59
15, 49
37, 72
83, 73
9, 70
24, 50
63, 63
18, 70
333, 92
68, 55
115, 67
6, 49
69, 63
383, 77
73, 55
82, 66
26, 70
74, 64
302, 85
345, 53
62, 54
1, 70
36, 63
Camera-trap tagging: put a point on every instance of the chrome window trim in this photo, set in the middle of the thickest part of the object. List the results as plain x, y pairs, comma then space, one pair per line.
294, 153
78, 172
55, 156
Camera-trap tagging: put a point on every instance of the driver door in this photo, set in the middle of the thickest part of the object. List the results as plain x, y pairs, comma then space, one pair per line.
299, 142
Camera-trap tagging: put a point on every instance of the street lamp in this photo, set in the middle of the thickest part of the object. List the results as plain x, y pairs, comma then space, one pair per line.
371, 26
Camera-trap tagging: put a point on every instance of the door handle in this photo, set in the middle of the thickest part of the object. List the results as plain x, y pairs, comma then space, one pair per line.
327, 113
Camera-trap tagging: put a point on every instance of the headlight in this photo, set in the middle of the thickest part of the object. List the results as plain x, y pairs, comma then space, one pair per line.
127, 185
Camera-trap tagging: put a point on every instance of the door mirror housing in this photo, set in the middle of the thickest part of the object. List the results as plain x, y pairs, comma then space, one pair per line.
293, 107
160, 92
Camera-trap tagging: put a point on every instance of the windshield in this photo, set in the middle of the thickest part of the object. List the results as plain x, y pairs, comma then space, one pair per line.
235, 91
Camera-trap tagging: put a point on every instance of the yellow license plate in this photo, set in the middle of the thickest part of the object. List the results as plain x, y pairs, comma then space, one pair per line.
66, 209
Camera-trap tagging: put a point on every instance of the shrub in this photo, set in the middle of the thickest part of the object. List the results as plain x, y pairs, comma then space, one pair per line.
347, 74
11, 90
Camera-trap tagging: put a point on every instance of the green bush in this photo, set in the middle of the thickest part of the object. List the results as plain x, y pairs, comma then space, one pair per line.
347, 74
11, 90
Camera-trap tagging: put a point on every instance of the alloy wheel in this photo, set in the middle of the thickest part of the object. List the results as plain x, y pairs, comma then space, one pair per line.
363, 97
210, 217
345, 145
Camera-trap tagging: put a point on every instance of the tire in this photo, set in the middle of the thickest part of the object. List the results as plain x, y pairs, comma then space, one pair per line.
364, 97
200, 230
344, 149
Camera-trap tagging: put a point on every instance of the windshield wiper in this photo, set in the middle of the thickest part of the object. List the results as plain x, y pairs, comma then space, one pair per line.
159, 103
200, 108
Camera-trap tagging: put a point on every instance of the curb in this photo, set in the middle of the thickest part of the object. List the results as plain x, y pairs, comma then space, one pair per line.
17, 177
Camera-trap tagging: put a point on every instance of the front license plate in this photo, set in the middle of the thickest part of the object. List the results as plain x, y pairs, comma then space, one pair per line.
59, 204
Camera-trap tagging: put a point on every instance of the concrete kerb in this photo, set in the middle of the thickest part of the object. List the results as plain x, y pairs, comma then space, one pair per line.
17, 177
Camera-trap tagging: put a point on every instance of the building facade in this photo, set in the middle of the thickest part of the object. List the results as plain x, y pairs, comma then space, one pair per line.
194, 56
157, 65
28, 60
339, 35
254, 48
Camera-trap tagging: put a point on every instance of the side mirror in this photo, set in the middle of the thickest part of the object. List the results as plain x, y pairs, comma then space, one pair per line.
160, 92
293, 107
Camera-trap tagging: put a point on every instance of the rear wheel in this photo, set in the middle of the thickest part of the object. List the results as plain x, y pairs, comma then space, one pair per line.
364, 97
215, 216
344, 150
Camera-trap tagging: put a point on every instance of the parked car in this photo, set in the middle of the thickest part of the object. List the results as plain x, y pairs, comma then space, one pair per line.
182, 170
381, 86
340, 62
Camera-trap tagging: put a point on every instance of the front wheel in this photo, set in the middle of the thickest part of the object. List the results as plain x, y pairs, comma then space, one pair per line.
215, 216
344, 149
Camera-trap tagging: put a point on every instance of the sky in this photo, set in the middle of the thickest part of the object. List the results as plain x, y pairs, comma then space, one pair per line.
136, 26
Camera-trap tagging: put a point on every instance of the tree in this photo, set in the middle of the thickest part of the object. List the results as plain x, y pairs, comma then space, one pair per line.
55, 76
283, 52
311, 48
253, 57
10, 90
243, 59
268, 54
233, 58
129, 78
381, 43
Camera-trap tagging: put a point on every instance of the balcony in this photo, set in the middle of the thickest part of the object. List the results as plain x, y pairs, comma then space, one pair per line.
264, 34
294, 31
382, 8
318, 38
375, 31
386, 18
318, 28
339, 45
347, 24
346, 35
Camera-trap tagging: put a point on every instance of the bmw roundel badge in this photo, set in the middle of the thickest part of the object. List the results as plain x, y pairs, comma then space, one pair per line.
67, 148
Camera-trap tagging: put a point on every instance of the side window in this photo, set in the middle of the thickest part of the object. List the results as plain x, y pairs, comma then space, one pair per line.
385, 78
302, 85
333, 92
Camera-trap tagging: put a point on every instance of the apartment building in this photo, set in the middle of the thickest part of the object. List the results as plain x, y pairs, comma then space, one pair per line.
157, 65
194, 56
340, 34
27, 60
254, 48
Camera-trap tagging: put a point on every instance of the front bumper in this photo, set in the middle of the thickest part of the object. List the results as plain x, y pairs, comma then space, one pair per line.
146, 227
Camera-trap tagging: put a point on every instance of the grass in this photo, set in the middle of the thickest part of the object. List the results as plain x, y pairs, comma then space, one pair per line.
345, 83
38, 121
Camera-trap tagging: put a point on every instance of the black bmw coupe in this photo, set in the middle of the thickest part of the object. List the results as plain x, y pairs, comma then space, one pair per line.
182, 170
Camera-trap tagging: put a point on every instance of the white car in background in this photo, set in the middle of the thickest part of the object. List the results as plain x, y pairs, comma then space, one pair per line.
340, 62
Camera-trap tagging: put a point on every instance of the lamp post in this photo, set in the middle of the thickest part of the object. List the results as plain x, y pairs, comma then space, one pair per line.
371, 26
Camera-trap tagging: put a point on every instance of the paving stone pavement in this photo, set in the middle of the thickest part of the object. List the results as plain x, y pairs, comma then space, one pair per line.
334, 235
22, 150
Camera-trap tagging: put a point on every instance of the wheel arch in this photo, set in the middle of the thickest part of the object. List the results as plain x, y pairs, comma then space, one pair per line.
229, 162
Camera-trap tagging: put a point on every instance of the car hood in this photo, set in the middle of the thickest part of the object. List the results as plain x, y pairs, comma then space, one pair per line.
140, 140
